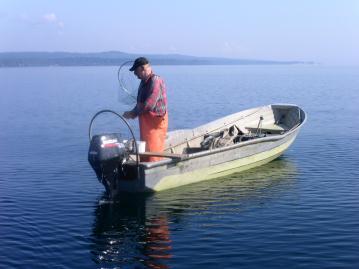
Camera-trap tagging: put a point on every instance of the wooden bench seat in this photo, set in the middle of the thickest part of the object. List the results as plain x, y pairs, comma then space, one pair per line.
272, 128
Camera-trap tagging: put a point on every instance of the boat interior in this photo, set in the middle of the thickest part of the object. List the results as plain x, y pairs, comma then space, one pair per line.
242, 126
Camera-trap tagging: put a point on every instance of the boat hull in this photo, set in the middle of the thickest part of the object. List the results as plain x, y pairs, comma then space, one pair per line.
212, 165
218, 167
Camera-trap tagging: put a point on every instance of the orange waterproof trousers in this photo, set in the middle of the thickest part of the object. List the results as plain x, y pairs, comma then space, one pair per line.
153, 130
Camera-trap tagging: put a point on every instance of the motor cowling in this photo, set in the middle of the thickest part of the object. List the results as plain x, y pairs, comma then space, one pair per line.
106, 155
106, 147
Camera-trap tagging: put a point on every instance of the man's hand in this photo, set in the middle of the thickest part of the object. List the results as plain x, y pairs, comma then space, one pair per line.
129, 115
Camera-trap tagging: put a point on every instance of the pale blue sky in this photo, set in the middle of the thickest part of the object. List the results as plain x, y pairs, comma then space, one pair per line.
324, 31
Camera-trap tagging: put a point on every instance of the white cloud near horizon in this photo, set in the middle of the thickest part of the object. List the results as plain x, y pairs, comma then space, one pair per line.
51, 18
232, 49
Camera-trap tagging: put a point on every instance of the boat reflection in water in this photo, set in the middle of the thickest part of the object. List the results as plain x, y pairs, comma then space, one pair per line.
124, 234
135, 230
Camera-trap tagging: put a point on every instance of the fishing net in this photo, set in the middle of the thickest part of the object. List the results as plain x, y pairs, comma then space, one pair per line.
128, 84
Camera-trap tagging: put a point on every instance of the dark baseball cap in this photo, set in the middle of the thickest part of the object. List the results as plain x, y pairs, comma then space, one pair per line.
139, 62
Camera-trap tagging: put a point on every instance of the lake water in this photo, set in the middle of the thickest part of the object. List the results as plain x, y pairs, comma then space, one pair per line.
299, 211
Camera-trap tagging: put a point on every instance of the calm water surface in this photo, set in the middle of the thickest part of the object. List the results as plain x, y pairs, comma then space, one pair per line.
299, 211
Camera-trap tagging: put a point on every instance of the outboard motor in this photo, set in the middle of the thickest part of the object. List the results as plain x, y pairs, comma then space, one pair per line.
108, 156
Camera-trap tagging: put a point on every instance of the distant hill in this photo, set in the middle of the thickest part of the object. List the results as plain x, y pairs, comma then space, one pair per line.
19, 59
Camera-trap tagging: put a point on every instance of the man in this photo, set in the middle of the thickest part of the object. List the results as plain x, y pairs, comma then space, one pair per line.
151, 108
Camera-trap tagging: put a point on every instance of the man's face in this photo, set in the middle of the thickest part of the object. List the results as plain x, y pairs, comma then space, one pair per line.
140, 72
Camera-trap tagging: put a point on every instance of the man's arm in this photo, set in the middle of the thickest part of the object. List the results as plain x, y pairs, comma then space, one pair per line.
129, 114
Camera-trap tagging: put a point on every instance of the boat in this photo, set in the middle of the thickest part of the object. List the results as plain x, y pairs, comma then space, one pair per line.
234, 143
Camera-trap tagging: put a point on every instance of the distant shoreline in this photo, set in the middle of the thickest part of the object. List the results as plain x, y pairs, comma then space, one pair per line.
114, 58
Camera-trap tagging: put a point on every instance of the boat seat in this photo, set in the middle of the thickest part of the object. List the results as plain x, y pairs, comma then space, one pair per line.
269, 128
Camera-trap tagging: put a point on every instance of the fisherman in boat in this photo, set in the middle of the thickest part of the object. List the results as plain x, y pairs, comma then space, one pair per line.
151, 108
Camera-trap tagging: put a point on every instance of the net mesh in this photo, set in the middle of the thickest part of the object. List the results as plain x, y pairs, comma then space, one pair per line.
128, 84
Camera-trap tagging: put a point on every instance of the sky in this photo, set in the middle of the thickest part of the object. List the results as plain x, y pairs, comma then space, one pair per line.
323, 31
